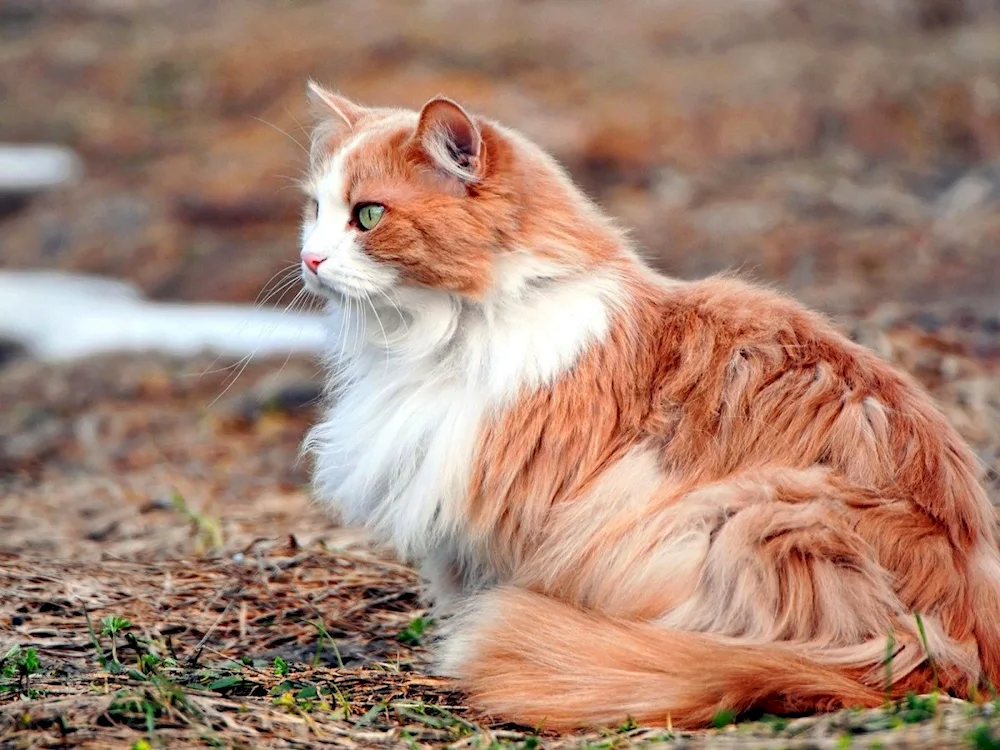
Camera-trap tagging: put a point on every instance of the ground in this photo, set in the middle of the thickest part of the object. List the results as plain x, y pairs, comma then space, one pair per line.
848, 152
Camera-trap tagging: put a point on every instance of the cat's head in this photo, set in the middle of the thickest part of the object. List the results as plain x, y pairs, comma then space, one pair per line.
436, 199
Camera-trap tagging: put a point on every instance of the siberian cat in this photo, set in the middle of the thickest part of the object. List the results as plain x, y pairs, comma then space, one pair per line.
635, 496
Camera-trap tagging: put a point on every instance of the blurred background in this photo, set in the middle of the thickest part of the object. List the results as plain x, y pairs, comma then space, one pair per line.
848, 152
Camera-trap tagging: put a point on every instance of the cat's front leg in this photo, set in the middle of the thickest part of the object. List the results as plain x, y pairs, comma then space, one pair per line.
443, 582
449, 579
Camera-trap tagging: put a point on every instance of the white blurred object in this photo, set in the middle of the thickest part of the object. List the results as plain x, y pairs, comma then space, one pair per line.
27, 168
57, 316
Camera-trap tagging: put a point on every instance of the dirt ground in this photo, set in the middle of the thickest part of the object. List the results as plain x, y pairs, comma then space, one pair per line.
848, 152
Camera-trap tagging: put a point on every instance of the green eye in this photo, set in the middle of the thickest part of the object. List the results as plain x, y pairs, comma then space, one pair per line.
368, 215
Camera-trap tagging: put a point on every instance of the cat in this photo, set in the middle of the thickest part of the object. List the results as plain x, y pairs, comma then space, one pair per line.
631, 496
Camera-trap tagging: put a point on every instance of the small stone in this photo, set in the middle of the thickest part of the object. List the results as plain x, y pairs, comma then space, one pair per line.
29, 169
967, 194
673, 189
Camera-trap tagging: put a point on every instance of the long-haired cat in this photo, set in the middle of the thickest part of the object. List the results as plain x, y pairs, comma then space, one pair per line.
635, 496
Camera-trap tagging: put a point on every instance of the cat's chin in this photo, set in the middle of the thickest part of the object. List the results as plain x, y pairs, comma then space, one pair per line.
328, 294
327, 291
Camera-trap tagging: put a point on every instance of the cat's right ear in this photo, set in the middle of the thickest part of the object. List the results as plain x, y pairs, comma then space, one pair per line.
327, 101
451, 138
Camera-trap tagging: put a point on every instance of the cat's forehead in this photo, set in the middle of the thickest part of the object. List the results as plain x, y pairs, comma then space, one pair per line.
373, 130
331, 140
377, 149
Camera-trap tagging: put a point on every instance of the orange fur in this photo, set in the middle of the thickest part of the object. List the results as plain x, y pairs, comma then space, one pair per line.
721, 503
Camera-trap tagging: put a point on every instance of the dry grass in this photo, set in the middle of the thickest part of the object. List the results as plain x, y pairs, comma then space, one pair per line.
302, 648
286, 648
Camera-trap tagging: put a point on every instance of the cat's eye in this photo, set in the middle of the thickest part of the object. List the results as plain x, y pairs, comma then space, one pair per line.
367, 215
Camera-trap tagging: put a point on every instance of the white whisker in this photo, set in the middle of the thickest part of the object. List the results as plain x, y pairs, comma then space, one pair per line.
402, 318
284, 133
385, 337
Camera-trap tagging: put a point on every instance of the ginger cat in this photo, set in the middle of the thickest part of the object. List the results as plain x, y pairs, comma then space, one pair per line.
635, 496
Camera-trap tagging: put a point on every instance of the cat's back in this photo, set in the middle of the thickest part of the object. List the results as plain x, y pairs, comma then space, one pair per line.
727, 338
753, 377
737, 310
747, 328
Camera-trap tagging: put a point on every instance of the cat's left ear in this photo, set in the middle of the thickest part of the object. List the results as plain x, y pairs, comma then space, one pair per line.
348, 112
450, 137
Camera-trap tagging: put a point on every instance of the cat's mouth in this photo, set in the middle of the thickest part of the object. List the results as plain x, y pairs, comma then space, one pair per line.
337, 289
320, 288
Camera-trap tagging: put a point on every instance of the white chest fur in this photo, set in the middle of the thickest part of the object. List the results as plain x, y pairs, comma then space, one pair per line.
394, 452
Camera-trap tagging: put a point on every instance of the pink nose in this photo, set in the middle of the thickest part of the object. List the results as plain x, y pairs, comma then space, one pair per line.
312, 261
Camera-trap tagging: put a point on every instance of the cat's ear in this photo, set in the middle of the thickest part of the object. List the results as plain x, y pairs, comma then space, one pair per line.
341, 106
451, 139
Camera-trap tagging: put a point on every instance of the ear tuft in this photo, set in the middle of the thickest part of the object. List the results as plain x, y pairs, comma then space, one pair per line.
341, 106
451, 139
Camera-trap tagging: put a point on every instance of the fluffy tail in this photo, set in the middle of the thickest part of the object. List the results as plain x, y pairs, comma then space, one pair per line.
539, 662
